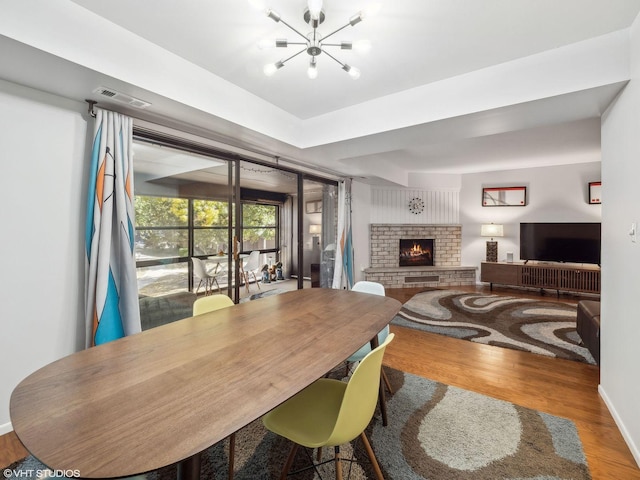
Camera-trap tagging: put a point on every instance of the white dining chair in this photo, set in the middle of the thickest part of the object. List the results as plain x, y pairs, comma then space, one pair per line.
200, 271
373, 288
251, 266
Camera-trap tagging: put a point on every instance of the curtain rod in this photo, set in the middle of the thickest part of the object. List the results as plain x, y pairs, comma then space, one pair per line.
92, 103
276, 158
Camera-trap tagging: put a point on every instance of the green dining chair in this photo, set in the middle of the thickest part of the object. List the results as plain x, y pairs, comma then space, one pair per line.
330, 413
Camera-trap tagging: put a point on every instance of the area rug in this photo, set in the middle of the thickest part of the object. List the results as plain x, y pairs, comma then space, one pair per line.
262, 294
435, 432
537, 326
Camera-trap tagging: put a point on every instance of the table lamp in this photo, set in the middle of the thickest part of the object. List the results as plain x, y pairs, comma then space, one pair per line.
492, 230
315, 230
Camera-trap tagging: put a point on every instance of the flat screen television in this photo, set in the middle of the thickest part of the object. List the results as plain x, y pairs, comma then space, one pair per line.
560, 242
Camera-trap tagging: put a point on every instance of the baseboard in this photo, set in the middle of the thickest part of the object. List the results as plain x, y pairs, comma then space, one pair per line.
6, 428
625, 434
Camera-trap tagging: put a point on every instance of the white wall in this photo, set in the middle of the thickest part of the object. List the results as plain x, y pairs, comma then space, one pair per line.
620, 356
43, 142
391, 205
375, 204
555, 194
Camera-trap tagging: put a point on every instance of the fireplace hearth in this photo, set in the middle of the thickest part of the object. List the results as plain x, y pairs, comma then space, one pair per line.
416, 252
444, 271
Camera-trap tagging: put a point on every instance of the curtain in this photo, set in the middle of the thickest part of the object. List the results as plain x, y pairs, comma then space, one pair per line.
112, 309
343, 271
329, 226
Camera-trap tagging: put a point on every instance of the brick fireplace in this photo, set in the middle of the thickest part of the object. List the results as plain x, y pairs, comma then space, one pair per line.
384, 241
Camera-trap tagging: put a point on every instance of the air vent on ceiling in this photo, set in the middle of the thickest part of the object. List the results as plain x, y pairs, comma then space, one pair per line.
121, 97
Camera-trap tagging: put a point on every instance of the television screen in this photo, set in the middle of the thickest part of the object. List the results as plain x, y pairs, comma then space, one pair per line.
560, 242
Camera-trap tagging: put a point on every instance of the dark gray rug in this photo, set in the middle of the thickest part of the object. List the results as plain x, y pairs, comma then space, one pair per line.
537, 326
435, 432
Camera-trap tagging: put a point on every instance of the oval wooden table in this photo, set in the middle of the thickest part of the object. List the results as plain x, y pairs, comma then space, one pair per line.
163, 396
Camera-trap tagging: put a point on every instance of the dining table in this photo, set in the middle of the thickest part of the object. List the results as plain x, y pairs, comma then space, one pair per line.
220, 263
163, 396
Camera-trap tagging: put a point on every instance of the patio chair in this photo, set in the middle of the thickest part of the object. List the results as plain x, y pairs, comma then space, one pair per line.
200, 271
251, 267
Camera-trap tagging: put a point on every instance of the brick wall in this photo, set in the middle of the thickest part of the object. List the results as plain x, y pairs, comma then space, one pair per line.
385, 243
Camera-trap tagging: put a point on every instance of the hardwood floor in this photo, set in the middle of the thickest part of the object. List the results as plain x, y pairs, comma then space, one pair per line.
11, 450
559, 387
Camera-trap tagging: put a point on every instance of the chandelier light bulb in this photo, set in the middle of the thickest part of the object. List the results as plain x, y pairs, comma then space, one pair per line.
272, 68
273, 15
352, 71
265, 44
362, 46
312, 71
356, 19
315, 7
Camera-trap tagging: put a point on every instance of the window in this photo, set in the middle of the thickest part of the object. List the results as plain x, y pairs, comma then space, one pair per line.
171, 230
162, 237
259, 227
210, 223
161, 227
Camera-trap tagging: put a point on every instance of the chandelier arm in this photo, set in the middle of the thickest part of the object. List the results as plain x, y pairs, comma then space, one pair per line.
336, 31
294, 29
294, 55
334, 58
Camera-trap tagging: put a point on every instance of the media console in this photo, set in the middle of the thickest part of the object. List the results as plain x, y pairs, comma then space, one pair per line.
551, 276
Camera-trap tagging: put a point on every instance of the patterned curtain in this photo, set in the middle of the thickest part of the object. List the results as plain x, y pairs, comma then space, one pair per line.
343, 271
112, 308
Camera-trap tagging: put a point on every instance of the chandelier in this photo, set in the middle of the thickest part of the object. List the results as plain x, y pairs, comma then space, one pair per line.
314, 44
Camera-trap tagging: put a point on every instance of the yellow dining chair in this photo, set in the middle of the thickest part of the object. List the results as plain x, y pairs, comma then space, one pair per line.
329, 413
210, 304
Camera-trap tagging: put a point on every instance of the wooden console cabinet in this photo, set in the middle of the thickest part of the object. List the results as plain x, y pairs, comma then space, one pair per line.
556, 277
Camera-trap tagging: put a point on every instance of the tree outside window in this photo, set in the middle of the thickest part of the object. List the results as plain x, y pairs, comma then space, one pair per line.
164, 234
161, 227
259, 227
210, 223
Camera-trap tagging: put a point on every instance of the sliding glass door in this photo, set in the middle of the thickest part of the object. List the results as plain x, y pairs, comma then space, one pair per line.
192, 203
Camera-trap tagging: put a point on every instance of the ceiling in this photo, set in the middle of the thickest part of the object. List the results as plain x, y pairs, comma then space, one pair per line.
449, 86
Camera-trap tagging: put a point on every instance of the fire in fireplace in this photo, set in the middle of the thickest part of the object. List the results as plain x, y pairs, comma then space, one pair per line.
416, 253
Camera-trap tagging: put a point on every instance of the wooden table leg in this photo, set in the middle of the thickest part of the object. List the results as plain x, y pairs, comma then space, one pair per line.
383, 405
189, 469
381, 395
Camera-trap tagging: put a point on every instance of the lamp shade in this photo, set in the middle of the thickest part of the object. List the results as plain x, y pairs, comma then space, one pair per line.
491, 230
315, 229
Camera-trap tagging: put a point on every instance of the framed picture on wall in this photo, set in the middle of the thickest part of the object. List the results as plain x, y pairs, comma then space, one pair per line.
313, 206
504, 197
595, 192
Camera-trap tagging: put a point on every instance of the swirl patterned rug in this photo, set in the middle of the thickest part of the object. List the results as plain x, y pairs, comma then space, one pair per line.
435, 432
537, 326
